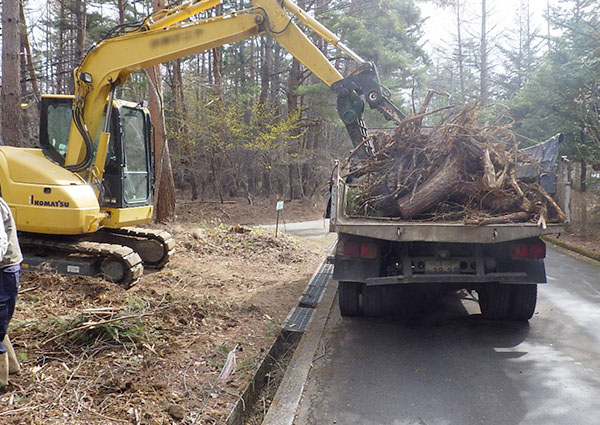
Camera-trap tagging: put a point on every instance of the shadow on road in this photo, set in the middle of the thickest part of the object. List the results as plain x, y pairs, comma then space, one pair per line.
438, 366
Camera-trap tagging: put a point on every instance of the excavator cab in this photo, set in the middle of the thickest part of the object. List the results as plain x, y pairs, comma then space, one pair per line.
128, 178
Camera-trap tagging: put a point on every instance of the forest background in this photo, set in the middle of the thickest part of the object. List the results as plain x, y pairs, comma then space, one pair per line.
248, 120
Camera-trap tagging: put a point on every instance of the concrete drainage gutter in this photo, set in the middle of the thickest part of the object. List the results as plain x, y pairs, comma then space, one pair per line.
243, 407
302, 327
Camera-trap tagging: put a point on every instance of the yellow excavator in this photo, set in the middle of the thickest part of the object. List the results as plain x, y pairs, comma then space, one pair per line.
77, 199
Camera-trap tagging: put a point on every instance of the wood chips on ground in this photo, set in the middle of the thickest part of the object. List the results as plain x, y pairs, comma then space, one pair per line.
93, 353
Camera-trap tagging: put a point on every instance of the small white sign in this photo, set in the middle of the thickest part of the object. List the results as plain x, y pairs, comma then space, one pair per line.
72, 269
279, 206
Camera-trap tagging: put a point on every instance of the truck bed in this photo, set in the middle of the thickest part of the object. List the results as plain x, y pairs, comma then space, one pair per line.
395, 229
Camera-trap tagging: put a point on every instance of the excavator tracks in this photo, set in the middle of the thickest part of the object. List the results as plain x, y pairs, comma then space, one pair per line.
155, 247
115, 263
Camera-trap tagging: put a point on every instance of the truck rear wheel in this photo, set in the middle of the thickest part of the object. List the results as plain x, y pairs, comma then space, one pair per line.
523, 299
494, 300
348, 294
372, 301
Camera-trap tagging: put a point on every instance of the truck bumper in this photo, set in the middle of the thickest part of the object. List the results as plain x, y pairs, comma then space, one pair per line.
518, 277
368, 272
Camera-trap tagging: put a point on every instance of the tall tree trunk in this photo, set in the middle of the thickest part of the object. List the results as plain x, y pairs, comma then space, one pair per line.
183, 145
179, 107
483, 56
216, 67
461, 68
294, 81
217, 162
583, 177
11, 74
266, 69
165, 185
27, 47
60, 63
81, 22
216, 56
275, 82
121, 7
548, 39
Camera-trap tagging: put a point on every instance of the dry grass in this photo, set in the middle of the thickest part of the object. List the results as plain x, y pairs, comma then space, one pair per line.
93, 353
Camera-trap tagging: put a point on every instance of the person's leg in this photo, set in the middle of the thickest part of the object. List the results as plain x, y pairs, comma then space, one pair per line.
9, 287
13, 361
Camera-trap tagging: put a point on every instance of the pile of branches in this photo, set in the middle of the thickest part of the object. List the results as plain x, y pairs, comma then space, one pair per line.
457, 171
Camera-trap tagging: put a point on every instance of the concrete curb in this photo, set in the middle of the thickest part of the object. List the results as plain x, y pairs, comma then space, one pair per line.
280, 346
286, 400
577, 249
242, 407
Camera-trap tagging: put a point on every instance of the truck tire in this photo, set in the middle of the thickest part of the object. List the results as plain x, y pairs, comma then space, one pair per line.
522, 303
494, 300
372, 301
348, 294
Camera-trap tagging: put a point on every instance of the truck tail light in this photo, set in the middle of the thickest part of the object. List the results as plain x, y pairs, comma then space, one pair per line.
368, 250
353, 249
528, 251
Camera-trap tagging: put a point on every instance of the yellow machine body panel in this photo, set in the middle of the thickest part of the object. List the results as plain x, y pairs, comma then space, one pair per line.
121, 217
32, 166
44, 197
64, 199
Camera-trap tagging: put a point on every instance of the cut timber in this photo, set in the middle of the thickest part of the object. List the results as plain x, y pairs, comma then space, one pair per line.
503, 219
453, 168
562, 217
436, 189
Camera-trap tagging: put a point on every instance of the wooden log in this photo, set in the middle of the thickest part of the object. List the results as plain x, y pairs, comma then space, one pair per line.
501, 201
516, 217
562, 217
495, 200
439, 187
489, 172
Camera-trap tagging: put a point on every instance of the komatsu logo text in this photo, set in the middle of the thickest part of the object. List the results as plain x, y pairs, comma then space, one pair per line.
38, 203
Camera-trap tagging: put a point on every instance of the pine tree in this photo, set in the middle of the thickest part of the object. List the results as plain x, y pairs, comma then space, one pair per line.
11, 72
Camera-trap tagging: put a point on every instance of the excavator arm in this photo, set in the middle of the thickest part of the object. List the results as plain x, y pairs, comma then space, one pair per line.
165, 35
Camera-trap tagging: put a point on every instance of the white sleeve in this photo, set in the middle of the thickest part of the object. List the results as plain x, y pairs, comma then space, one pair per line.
3, 235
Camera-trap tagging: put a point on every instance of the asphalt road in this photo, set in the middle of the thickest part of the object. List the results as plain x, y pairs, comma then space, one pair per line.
448, 366
314, 229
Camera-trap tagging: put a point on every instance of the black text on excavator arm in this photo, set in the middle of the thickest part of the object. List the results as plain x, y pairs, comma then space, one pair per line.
94, 177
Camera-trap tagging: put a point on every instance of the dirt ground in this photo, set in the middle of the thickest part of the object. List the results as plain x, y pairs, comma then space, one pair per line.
94, 353
261, 211
584, 239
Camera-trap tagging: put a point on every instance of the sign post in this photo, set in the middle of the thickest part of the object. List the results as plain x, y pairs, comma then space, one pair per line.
278, 207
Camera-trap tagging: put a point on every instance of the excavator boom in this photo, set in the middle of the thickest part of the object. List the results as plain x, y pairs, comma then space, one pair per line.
93, 177
166, 35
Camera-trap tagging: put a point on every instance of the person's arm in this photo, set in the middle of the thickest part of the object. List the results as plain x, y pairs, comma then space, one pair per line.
5, 214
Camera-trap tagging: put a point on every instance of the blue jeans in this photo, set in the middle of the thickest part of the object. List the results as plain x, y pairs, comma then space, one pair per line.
9, 287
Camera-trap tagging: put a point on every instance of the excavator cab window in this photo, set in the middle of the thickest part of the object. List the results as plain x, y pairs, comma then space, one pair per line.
55, 122
128, 171
136, 186
128, 176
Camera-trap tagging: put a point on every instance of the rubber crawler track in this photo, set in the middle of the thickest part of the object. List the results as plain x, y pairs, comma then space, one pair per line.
164, 238
127, 257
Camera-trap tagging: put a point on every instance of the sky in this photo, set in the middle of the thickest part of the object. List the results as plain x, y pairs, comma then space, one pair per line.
440, 24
